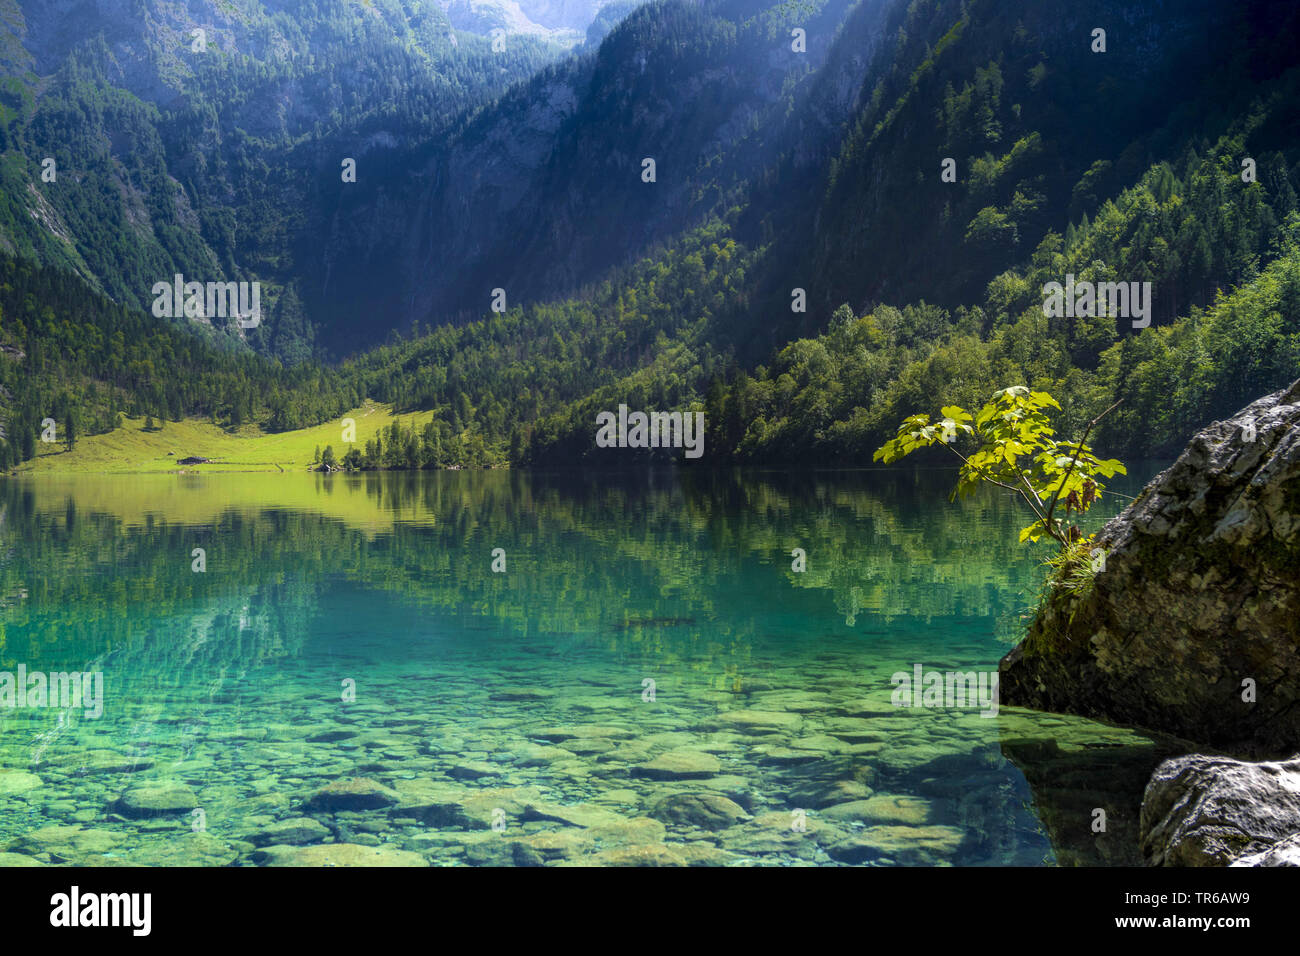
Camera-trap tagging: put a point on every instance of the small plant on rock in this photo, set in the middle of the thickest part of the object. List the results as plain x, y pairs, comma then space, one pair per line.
1018, 451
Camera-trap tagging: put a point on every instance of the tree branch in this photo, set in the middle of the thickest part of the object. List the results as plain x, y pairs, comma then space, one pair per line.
1036, 508
1078, 450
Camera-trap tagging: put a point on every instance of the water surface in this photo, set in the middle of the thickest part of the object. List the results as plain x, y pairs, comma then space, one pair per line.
648, 680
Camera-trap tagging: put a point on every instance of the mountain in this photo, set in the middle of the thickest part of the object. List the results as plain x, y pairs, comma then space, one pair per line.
799, 154
560, 20
543, 192
226, 163
177, 151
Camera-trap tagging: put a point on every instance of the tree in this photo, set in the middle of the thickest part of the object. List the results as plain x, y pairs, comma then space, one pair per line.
327, 461
1018, 453
70, 431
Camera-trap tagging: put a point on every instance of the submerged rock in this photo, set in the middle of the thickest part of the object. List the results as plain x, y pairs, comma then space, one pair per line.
338, 854
184, 849
760, 721
521, 694
67, 844
473, 770
18, 859
297, 832
1215, 811
882, 809
788, 833
156, 800
16, 781
334, 735
99, 761
359, 793
708, 811
650, 854
923, 846
1193, 625
1070, 776
580, 815
679, 765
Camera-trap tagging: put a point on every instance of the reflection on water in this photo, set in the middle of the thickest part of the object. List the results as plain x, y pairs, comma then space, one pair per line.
649, 680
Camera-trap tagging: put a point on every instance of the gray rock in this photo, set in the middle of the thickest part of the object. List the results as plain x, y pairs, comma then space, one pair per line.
1213, 811
1198, 595
1283, 853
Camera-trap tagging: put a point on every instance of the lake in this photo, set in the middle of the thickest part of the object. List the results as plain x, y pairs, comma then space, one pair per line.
505, 668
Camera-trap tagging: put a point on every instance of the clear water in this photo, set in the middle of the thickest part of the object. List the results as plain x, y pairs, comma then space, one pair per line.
353, 628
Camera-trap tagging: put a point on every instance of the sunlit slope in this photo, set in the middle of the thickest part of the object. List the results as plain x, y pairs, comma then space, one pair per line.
132, 449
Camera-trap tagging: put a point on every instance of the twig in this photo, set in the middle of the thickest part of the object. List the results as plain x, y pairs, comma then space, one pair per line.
1078, 450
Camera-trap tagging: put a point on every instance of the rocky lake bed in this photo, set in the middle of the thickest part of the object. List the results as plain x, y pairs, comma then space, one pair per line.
802, 769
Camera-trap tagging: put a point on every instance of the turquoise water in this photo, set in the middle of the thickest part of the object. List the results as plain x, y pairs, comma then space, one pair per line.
347, 680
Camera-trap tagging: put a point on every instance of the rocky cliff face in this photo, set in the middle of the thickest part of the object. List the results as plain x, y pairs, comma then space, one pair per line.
1193, 625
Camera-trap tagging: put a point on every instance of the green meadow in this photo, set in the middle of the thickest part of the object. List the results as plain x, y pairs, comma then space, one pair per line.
134, 449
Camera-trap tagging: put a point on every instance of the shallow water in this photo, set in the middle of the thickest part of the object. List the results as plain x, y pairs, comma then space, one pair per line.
348, 680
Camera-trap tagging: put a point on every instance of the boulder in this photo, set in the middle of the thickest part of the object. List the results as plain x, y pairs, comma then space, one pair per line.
1215, 811
1192, 627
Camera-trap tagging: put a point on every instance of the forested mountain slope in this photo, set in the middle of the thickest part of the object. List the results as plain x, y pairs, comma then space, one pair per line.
178, 151
1173, 157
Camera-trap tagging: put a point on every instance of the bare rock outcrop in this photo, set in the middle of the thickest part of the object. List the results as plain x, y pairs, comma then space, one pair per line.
1216, 811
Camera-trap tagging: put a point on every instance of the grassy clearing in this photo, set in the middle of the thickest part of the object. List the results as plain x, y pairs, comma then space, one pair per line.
133, 450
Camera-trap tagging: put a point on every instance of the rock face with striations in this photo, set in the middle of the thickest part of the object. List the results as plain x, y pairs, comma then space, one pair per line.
1216, 811
1197, 608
